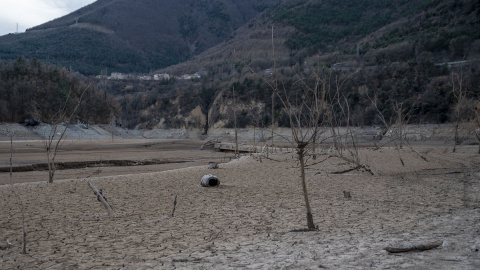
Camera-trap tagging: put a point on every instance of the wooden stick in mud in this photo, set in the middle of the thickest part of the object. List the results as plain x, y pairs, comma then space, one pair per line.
408, 248
102, 199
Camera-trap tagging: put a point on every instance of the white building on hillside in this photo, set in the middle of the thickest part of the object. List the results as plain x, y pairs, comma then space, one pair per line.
161, 77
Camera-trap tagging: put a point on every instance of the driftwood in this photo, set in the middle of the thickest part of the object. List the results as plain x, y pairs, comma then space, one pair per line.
420, 247
174, 205
101, 198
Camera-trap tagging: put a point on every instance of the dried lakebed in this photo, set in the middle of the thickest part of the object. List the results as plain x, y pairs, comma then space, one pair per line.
254, 219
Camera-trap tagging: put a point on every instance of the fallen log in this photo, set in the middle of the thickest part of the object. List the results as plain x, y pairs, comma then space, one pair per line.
413, 247
102, 198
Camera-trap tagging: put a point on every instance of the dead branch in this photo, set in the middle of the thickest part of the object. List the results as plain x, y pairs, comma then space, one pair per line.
415, 151
346, 171
174, 205
102, 199
316, 163
418, 247
368, 169
359, 165
271, 159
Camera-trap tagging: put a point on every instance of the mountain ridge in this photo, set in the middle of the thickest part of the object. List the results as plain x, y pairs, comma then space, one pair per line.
131, 36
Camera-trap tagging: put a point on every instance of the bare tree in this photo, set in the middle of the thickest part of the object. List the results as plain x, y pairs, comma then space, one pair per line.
112, 126
17, 197
59, 124
235, 122
397, 126
304, 114
321, 84
275, 86
303, 105
477, 126
338, 115
304, 102
460, 95
257, 121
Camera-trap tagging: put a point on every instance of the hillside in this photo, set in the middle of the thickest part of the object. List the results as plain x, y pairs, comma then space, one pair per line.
32, 92
448, 30
392, 57
131, 36
406, 57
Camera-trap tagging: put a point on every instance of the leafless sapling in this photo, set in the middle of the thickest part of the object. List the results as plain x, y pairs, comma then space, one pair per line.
59, 124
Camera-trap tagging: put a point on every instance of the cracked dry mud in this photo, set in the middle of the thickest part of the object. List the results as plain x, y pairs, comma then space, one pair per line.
249, 221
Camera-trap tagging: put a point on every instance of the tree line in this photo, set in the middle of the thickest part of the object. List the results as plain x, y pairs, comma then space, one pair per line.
33, 92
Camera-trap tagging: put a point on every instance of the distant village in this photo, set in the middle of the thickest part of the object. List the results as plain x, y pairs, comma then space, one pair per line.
156, 77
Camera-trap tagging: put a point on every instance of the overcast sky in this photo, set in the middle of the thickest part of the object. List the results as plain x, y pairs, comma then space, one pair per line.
30, 13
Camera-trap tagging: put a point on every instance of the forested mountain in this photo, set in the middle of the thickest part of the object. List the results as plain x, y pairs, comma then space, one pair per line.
132, 36
390, 55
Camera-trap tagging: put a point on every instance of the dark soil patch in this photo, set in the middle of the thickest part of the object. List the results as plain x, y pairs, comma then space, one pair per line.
86, 164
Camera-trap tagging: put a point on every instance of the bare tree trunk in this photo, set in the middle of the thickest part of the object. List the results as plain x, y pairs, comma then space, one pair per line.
301, 158
477, 134
235, 123
275, 86
113, 127
477, 120
273, 114
20, 205
51, 165
52, 150
460, 95
455, 139
478, 139
400, 124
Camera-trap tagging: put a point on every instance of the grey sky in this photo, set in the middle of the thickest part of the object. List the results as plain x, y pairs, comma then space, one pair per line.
30, 13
